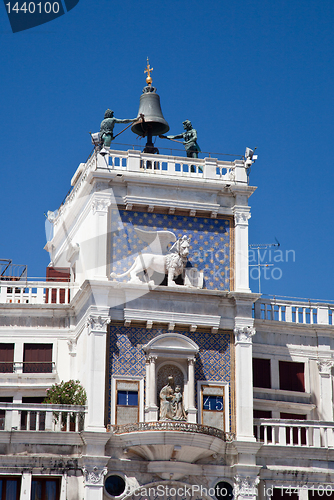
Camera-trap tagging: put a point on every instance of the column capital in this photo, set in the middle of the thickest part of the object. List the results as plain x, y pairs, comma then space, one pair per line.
241, 215
245, 486
94, 476
325, 367
97, 323
151, 358
100, 203
191, 360
72, 347
244, 334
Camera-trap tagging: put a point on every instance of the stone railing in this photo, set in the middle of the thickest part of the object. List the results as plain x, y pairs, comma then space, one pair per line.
28, 367
307, 433
207, 168
35, 292
171, 426
294, 311
41, 417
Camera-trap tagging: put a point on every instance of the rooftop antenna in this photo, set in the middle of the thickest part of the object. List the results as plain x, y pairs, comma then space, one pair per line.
258, 247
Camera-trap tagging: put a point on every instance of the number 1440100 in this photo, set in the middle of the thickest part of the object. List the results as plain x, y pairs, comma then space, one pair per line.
32, 8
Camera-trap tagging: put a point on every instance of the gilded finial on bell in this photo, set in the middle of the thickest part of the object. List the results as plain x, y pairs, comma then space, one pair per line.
148, 71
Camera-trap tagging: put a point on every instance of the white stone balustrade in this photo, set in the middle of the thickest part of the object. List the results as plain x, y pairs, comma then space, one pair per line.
294, 312
35, 292
207, 168
41, 417
307, 433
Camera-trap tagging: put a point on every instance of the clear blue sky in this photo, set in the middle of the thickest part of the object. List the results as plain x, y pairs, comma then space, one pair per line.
246, 73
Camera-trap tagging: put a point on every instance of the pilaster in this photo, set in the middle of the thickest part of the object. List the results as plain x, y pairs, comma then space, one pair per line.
326, 394
97, 324
244, 380
241, 275
100, 204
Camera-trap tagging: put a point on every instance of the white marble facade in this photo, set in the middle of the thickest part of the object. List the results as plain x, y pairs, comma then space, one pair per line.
122, 337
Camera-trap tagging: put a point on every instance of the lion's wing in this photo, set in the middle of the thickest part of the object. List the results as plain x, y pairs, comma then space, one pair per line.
157, 240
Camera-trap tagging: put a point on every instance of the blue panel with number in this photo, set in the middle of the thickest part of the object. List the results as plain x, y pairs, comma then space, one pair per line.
213, 403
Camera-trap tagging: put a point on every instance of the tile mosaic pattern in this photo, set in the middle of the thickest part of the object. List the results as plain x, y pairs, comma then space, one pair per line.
126, 357
210, 243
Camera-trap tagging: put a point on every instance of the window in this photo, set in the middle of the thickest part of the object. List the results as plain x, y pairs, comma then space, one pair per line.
261, 373
6, 358
291, 376
114, 485
127, 402
37, 358
45, 489
9, 488
284, 494
223, 491
127, 398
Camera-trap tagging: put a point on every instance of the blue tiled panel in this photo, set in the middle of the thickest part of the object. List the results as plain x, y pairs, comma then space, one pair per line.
127, 358
210, 243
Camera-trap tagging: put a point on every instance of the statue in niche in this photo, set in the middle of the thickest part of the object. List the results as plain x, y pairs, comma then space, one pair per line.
179, 413
158, 258
171, 403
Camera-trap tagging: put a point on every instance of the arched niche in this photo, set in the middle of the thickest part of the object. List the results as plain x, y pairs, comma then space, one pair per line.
177, 352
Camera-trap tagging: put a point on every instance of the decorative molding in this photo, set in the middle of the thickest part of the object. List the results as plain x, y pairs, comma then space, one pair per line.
169, 317
245, 486
193, 328
97, 323
151, 358
72, 347
72, 252
150, 208
241, 218
149, 324
176, 204
244, 334
128, 206
192, 213
100, 204
241, 215
171, 210
169, 426
325, 366
95, 476
171, 326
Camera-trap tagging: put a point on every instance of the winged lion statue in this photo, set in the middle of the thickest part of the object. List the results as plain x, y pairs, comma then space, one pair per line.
157, 257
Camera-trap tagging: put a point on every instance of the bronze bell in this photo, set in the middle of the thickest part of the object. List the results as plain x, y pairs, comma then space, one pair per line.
150, 118
154, 121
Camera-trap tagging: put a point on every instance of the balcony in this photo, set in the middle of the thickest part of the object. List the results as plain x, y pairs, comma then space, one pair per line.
177, 441
27, 367
298, 312
293, 433
41, 417
167, 165
36, 292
